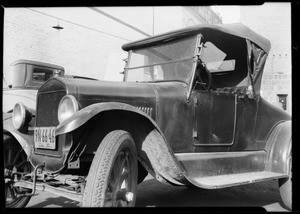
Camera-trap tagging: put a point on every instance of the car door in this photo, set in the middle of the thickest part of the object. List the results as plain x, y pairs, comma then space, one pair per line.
215, 118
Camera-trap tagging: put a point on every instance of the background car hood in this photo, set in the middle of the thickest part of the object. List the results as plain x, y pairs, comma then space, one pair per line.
13, 96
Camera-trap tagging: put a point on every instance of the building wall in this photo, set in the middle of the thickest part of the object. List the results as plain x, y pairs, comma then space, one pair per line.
273, 21
29, 35
90, 43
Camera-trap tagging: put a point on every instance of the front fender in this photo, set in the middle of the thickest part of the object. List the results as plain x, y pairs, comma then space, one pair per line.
82, 116
157, 149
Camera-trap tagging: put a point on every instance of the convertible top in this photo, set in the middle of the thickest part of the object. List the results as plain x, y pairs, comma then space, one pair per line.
236, 29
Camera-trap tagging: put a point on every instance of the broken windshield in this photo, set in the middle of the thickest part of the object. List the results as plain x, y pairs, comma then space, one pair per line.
171, 61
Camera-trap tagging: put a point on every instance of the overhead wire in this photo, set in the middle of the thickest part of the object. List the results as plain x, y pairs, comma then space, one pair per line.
79, 24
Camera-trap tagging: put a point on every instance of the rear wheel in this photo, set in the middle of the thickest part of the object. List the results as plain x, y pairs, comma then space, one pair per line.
112, 179
285, 188
15, 159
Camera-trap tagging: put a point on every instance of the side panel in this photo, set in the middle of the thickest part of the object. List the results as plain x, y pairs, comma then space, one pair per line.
223, 119
246, 117
203, 118
215, 116
267, 117
175, 116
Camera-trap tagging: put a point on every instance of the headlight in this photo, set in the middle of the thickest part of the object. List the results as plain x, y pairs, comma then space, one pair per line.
21, 116
67, 107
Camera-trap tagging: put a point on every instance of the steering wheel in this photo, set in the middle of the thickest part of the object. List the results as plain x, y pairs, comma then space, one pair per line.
204, 78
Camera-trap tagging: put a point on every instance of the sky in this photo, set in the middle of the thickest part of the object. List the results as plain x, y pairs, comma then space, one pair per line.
229, 14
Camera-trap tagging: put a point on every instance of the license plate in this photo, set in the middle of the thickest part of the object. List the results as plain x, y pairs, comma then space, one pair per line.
44, 137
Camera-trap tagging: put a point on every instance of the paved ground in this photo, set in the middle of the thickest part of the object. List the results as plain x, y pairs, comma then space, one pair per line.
152, 193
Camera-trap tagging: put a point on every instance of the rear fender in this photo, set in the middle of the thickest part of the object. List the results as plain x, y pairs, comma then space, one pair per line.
279, 148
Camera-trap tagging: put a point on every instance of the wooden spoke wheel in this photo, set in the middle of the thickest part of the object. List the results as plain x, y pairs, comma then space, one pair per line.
112, 179
15, 160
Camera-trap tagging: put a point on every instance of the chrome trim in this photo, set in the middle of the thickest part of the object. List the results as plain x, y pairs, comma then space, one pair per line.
74, 103
127, 66
23, 115
147, 110
216, 155
162, 63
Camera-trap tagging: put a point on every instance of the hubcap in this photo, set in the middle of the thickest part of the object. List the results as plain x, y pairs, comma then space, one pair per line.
120, 186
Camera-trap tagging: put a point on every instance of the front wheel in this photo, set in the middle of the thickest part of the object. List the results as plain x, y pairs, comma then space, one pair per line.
112, 178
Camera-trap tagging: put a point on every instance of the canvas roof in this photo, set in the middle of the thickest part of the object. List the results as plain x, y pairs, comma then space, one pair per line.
236, 29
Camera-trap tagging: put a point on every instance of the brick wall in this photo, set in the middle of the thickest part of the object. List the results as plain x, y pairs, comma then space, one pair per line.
274, 85
273, 21
80, 47
29, 35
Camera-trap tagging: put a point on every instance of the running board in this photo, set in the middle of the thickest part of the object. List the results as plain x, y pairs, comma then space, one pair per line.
222, 181
216, 170
208, 164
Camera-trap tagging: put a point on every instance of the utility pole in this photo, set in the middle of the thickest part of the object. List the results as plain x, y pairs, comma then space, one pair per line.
153, 22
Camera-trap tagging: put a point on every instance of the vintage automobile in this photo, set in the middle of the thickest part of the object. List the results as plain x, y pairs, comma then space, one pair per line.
189, 112
25, 78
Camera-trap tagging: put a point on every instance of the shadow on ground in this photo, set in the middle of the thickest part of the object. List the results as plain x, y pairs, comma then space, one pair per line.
152, 193
54, 202
156, 194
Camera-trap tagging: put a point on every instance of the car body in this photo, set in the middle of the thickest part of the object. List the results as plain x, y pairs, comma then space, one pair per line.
21, 86
189, 112
25, 78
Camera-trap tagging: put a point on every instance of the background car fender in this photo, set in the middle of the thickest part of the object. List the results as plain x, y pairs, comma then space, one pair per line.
25, 140
279, 148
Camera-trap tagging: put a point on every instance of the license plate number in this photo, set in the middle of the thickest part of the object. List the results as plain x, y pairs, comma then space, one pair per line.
44, 137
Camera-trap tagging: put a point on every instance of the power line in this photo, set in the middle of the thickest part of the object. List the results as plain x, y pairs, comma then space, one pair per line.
118, 20
80, 25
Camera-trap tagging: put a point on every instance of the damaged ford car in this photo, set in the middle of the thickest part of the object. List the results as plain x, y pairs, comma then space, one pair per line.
189, 112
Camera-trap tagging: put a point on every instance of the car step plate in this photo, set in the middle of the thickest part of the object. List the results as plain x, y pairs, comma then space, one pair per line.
222, 181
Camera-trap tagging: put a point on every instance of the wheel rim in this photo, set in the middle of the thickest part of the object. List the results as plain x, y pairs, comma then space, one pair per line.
120, 189
14, 160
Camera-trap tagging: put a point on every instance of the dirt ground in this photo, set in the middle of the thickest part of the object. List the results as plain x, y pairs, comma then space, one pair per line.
152, 193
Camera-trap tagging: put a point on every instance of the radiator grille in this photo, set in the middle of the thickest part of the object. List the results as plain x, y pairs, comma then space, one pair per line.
47, 107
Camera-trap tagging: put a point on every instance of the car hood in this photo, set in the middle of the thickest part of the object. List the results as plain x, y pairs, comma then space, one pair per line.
145, 96
13, 96
141, 95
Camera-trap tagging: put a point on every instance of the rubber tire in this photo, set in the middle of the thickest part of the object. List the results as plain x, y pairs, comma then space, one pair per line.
102, 164
285, 189
8, 141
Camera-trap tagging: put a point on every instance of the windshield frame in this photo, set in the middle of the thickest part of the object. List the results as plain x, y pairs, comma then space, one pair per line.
194, 57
